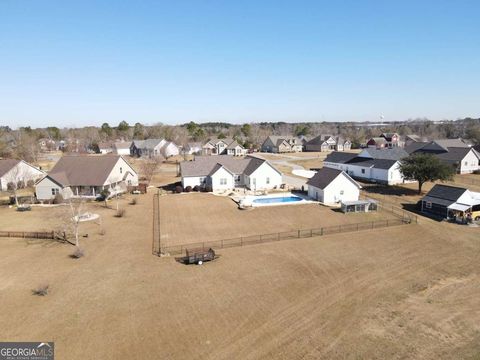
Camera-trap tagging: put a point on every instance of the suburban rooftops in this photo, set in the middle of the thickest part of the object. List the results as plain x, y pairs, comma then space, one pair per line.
204, 165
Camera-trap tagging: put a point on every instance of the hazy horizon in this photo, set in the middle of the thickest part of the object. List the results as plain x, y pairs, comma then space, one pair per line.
80, 64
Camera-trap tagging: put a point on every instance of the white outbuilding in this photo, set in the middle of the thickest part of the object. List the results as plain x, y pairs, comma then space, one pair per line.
332, 186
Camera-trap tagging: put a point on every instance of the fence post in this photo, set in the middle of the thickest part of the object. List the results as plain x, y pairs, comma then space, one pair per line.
278, 236
321, 231
311, 232
387, 222
221, 246
298, 233
241, 241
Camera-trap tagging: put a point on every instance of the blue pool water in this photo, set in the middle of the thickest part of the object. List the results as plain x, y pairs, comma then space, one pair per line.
272, 200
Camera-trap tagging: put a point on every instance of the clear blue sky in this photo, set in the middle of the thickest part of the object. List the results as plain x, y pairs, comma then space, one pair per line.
83, 62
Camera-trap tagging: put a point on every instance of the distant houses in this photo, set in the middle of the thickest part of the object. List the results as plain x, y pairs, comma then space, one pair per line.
282, 144
455, 152
328, 143
15, 174
154, 148
224, 172
86, 176
374, 165
385, 140
331, 186
226, 146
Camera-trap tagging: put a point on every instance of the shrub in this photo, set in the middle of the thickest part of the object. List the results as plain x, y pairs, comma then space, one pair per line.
102, 231
196, 188
120, 213
30, 183
188, 189
77, 254
42, 290
10, 186
58, 199
208, 188
20, 184
133, 201
178, 189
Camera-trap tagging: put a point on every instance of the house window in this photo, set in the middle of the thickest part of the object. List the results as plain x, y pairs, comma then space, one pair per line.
223, 181
237, 178
466, 163
54, 191
428, 204
341, 192
121, 170
268, 180
363, 171
202, 180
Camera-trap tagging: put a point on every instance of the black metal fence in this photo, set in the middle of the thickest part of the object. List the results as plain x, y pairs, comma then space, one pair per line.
29, 234
401, 217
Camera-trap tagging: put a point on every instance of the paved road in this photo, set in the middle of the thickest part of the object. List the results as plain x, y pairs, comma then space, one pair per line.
296, 181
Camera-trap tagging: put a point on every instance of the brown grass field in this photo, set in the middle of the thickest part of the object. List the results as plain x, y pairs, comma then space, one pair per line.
198, 217
406, 292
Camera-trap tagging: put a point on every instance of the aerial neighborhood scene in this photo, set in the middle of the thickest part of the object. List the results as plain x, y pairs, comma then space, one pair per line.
250, 180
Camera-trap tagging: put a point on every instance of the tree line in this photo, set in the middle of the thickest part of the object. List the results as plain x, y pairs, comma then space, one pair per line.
24, 142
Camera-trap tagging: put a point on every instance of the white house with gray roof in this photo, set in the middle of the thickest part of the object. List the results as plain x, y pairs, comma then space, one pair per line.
226, 172
86, 176
154, 148
331, 186
373, 165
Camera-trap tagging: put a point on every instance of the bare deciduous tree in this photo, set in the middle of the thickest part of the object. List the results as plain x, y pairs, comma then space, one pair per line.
149, 167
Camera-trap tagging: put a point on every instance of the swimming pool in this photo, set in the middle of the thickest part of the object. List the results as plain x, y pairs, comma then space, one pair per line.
275, 200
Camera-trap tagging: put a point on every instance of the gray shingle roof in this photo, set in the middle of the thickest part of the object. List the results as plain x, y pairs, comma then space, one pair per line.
323, 177
454, 154
395, 153
340, 157
6, 165
446, 192
83, 170
204, 165
384, 164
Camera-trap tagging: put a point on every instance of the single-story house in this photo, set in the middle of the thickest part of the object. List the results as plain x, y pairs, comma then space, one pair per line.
122, 148
282, 144
154, 148
224, 172
372, 164
86, 176
17, 174
321, 143
105, 148
194, 148
451, 201
331, 186
455, 152
226, 146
